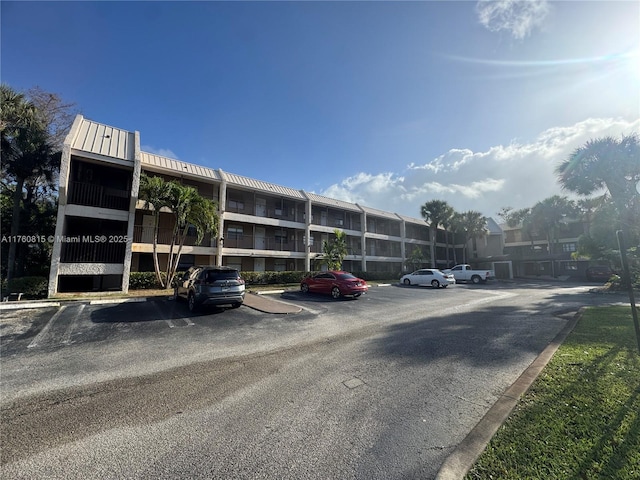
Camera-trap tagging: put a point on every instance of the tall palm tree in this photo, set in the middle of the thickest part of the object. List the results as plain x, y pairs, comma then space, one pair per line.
449, 224
473, 225
190, 211
548, 216
155, 192
607, 163
457, 229
435, 213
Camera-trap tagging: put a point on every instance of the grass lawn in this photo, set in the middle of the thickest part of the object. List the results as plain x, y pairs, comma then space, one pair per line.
581, 417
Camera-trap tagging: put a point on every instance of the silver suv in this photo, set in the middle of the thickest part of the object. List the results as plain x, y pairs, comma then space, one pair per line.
207, 285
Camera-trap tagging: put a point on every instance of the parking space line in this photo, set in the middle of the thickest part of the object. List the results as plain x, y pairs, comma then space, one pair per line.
66, 339
169, 321
43, 333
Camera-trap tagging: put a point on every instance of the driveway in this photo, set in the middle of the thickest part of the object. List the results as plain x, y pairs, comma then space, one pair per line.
384, 386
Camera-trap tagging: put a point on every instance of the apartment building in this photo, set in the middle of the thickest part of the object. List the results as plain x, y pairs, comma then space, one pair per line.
531, 254
103, 231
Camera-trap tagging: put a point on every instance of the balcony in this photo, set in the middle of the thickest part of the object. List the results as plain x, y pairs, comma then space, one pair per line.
254, 242
93, 195
265, 211
91, 252
144, 234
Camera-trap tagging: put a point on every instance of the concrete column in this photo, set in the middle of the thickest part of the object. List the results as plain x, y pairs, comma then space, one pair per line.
135, 187
63, 190
222, 206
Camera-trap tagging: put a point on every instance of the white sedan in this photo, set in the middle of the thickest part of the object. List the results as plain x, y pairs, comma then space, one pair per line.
428, 276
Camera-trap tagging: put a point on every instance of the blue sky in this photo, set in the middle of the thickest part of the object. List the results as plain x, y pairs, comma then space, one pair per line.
388, 104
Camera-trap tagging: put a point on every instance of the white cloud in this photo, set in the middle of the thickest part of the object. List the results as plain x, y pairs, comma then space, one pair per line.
519, 17
163, 152
518, 174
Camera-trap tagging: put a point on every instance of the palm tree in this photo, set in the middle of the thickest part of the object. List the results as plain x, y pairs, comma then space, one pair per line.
457, 229
473, 225
435, 213
336, 250
27, 155
607, 163
190, 211
155, 191
548, 216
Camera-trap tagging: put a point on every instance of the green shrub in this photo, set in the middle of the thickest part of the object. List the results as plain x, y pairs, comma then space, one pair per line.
272, 278
292, 277
144, 280
30, 287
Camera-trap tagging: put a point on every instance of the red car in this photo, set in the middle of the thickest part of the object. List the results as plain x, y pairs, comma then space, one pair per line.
336, 283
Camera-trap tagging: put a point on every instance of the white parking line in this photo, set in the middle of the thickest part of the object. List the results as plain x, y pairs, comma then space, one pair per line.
116, 300
66, 339
162, 315
43, 333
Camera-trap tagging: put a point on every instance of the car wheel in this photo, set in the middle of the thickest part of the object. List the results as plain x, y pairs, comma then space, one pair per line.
335, 292
236, 305
407, 281
305, 288
475, 279
193, 306
435, 283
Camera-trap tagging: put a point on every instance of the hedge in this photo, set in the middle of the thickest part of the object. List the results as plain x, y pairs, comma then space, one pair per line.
288, 277
144, 280
30, 287
147, 280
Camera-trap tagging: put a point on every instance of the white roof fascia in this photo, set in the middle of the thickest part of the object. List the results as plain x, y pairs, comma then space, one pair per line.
260, 186
380, 213
332, 202
171, 165
417, 221
102, 141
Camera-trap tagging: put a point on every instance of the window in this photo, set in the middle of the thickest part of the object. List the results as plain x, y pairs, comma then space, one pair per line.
568, 247
236, 204
281, 237
234, 233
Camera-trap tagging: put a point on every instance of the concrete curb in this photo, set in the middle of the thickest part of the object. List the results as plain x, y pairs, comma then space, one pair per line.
460, 461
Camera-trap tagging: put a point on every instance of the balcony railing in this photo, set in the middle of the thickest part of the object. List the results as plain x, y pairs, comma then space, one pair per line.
268, 211
92, 195
253, 242
92, 252
144, 234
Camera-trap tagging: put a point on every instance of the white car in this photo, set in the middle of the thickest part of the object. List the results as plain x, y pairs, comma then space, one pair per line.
428, 276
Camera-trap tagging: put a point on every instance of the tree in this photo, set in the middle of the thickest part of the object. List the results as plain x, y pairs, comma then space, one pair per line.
436, 213
155, 191
191, 213
549, 215
472, 225
30, 162
335, 251
416, 258
611, 164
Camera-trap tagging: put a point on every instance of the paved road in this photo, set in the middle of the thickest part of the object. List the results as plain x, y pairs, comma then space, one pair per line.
380, 387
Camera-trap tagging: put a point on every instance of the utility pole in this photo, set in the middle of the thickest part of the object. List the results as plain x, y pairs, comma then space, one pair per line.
627, 279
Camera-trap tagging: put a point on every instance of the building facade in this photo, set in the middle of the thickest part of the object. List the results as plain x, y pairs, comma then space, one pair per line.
103, 231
